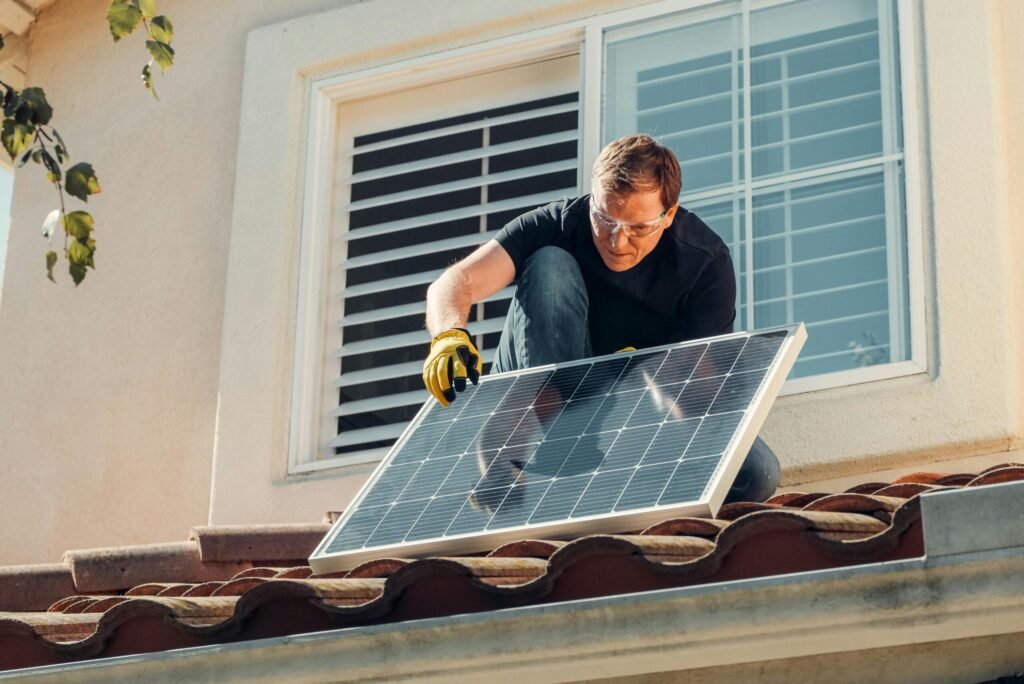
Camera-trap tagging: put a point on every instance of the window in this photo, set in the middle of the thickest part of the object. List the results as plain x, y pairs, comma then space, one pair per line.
825, 239
786, 116
416, 193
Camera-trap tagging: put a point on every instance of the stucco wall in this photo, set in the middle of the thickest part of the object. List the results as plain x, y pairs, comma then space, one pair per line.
111, 394
967, 403
108, 392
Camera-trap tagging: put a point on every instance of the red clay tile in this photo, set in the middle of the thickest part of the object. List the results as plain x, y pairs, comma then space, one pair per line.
747, 540
855, 503
1010, 473
905, 490
955, 480
257, 572
784, 498
257, 542
382, 567
298, 572
34, 587
919, 478
731, 511
1000, 467
125, 566
867, 488
694, 527
528, 548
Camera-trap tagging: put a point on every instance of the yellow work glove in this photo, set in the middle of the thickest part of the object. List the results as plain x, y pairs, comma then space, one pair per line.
453, 358
625, 349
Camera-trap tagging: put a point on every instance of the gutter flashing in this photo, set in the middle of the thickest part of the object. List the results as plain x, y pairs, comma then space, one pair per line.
972, 519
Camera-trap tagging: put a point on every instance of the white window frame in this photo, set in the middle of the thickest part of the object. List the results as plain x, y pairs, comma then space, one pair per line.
310, 394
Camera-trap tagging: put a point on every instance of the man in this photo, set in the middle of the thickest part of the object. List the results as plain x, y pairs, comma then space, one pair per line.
623, 267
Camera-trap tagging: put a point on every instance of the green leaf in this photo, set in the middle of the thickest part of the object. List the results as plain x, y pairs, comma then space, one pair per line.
78, 224
77, 272
161, 29
162, 53
33, 107
15, 137
147, 7
80, 181
79, 253
147, 80
123, 18
51, 261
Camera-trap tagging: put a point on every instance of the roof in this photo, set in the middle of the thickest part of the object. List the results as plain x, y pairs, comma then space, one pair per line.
237, 583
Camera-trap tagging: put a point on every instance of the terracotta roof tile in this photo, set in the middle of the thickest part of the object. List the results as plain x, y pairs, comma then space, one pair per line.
122, 567
257, 542
34, 587
221, 585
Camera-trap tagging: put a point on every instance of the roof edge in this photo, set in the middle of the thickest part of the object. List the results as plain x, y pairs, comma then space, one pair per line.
847, 609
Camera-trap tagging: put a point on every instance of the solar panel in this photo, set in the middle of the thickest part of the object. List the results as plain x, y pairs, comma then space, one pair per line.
607, 444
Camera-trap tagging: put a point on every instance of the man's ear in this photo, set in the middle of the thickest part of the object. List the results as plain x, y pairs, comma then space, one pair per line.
671, 213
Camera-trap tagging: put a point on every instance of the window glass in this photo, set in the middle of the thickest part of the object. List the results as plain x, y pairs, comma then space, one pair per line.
825, 239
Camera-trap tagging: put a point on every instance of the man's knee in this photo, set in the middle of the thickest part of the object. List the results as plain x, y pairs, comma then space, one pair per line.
551, 282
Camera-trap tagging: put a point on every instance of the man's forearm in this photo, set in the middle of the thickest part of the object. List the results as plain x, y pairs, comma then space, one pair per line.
448, 302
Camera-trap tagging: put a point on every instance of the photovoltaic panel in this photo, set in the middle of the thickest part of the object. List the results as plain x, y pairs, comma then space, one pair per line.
607, 444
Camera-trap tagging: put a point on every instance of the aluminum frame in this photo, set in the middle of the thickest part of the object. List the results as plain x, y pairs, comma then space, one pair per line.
709, 503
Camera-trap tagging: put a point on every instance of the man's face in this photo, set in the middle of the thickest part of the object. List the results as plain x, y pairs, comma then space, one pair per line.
641, 212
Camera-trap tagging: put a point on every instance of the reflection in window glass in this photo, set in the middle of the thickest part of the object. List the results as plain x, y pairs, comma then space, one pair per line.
825, 240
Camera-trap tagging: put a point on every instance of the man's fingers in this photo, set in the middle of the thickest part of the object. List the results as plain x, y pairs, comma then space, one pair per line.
436, 386
444, 381
472, 364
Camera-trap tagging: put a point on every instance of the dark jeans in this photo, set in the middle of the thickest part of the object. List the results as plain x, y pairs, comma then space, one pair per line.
547, 323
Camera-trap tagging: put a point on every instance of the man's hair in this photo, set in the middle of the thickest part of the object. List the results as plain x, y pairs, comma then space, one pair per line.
638, 163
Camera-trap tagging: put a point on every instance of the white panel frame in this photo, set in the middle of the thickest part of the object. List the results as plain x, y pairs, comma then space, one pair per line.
608, 523
587, 37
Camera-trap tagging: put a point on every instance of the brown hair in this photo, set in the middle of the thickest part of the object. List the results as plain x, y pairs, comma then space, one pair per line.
638, 163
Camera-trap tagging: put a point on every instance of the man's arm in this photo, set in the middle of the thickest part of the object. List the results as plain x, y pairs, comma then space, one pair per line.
453, 358
477, 277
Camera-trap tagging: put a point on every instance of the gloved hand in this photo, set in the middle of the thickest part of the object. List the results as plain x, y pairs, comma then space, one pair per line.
453, 358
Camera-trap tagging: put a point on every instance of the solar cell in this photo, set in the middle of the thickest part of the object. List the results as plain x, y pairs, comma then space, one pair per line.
605, 444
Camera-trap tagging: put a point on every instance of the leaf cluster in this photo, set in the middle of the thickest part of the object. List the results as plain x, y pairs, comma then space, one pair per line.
124, 16
26, 135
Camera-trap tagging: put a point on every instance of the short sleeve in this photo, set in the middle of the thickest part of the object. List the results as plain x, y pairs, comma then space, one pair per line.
528, 232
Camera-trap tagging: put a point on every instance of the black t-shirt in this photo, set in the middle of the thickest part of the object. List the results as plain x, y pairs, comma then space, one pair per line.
683, 290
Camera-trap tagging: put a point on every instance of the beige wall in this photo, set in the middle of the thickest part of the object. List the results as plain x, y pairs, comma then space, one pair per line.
108, 392
111, 394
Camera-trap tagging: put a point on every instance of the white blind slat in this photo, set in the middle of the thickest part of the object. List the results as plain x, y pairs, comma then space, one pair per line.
412, 309
410, 339
456, 214
465, 184
417, 250
380, 433
465, 155
384, 401
469, 126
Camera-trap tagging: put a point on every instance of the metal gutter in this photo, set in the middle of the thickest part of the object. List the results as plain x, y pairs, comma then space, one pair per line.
970, 584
